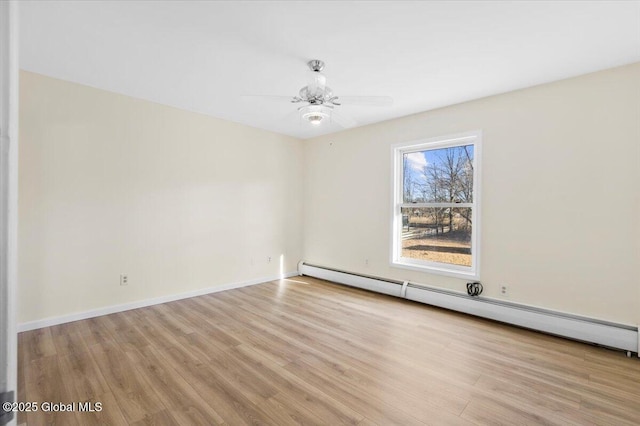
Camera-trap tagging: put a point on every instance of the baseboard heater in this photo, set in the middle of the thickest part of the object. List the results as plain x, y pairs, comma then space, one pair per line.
618, 336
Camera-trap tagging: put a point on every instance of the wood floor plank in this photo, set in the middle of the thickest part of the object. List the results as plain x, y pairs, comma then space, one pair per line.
392, 373
617, 381
367, 422
173, 390
375, 408
165, 314
93, 331
296, 389
513, 394
134, 394
375, 377
84, 378
38, 344
45, 385
486, 411
234, 407
345, 341
289, 412
305, 351
121, 327
161, 418
66, 337
600, 360
82, 375
608, 412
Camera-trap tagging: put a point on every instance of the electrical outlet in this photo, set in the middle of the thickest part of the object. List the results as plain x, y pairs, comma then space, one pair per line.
366, 263
503, 289
124, 279
269, 259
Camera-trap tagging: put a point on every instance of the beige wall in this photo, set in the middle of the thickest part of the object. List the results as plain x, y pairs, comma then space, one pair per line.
177, 200
560, 191
180, 201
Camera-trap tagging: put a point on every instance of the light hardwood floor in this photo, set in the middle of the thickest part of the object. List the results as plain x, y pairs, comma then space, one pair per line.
307, 351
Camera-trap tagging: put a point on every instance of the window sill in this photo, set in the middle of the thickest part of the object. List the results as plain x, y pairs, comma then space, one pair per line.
437, 270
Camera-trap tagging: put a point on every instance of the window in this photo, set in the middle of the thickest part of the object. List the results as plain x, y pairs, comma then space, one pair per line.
436, 205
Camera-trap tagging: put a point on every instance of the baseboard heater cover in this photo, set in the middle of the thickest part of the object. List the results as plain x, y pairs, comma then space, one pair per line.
619, 336
379, 285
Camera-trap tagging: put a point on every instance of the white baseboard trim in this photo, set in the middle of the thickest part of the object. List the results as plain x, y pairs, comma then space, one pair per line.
48, 322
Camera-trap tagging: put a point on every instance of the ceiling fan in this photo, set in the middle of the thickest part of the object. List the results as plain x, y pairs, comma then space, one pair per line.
320, 102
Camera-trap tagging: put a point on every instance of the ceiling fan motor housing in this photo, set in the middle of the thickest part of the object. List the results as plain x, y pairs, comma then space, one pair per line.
317, 96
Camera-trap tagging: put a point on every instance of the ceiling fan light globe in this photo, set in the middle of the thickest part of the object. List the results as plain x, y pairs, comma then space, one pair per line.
316, 120
314, 114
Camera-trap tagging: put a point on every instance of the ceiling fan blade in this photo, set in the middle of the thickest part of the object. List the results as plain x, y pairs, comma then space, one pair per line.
342, 120
270, 98
364, 100
293, 116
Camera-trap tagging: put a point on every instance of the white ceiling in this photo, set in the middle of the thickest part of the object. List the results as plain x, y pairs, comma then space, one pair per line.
203, 56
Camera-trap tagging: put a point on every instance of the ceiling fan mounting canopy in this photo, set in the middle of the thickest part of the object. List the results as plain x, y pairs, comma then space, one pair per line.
316, 65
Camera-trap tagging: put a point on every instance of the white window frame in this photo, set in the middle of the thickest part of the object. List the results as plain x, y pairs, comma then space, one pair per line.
398, 150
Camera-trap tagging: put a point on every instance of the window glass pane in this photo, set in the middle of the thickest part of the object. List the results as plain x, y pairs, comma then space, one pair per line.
443, 175
437, 235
